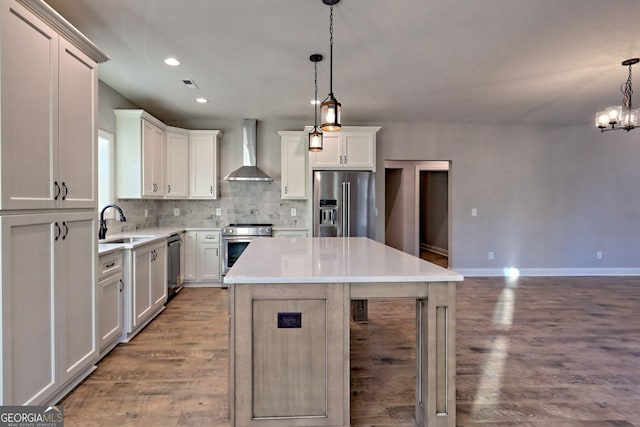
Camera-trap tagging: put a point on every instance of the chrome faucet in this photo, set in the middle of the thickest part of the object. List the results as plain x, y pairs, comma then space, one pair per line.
103, 223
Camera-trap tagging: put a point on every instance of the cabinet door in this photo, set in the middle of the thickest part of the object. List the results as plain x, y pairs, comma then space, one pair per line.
110, 319
359, 150
159, 276
203, 166
331, 154
77, 260
209, 262
141, 285
152, 160
294, 166
78, 80
29, 131
30, 298
177, 166
158, 161
190, 256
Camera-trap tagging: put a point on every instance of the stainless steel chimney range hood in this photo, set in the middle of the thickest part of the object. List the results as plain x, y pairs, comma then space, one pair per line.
248, 171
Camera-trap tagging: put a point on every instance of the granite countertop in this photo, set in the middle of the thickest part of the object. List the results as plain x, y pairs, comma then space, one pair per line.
331, 260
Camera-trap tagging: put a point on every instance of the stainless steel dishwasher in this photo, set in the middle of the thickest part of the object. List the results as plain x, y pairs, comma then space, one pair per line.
173, 265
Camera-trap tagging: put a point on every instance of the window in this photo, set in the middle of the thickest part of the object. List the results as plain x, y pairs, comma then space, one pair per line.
106, 168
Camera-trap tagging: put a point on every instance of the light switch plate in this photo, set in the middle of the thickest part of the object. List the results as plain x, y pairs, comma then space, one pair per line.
218, 211
176, 211
293, 212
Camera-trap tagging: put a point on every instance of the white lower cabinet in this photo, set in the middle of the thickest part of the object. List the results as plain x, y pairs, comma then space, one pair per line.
145, 276
49, 341
203, 257
110, 301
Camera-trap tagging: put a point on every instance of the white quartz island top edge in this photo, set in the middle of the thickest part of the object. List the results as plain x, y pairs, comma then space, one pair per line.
331, 260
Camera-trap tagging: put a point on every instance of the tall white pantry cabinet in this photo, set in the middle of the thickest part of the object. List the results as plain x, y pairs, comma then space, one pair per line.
48, 203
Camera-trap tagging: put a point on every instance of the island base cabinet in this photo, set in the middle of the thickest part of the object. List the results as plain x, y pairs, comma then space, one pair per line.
290, 355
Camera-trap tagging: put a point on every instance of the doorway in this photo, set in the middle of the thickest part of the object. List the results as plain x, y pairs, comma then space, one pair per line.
418, 209
433, 216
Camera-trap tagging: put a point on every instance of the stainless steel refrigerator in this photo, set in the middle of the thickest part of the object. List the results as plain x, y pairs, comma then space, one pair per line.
344, 204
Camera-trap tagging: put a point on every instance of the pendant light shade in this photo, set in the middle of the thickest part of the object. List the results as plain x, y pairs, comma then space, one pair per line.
315, 136
315, 139
331, 109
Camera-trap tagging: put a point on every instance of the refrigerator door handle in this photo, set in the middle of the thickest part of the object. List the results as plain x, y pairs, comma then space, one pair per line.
347, 209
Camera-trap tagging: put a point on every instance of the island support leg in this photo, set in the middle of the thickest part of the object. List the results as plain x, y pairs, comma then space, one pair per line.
436, 356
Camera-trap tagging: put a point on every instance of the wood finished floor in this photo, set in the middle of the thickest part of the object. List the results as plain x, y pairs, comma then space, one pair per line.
552, 352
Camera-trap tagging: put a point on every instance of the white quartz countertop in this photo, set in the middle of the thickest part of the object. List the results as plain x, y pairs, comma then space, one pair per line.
331, 260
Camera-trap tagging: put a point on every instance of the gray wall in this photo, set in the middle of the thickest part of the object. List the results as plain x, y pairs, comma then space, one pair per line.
546, 197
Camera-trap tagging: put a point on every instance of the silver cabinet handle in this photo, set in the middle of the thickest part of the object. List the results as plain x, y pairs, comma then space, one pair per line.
66, 228
121, 285
169, 188
66, 190
211, 189
58, 230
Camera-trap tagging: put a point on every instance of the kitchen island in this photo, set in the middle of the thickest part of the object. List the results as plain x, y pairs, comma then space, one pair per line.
289, 329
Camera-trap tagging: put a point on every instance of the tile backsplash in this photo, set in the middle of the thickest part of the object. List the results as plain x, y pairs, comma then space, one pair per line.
239, 202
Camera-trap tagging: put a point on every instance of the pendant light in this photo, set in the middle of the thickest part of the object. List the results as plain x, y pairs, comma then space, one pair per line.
331, 109
315, 136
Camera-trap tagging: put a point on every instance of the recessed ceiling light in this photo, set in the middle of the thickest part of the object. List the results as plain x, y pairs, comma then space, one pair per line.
202, 100
172, 61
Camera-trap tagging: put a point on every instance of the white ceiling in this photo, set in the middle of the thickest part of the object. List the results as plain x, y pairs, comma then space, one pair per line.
480, 61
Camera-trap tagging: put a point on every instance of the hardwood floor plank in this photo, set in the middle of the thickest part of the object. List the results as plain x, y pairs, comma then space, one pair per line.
561, 352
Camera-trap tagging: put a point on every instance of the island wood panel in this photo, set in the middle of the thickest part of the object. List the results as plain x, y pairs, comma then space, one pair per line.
290, 363
436, 359
254, 305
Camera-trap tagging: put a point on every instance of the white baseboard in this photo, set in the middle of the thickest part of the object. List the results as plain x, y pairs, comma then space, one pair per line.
499, 272
431, 248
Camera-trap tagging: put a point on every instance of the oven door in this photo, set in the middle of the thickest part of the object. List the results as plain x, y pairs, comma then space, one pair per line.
233, 248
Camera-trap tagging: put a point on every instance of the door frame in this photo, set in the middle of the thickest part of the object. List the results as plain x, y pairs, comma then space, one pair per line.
432, 166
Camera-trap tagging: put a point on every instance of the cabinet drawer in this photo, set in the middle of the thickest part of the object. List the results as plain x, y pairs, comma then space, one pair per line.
208, 237
109, 264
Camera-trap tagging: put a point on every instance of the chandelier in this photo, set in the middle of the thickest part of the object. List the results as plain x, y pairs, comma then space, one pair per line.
331, 109
315, 136
620, 117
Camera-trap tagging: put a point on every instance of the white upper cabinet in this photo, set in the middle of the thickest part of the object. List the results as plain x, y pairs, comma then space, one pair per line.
140, 147
294, 160
353, 147
153, 147
48, 107
203, 167
177, 172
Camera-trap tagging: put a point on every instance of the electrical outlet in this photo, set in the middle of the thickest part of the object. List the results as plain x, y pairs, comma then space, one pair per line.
218, 211
146, 213
599, 255
474, 212
176, 211
293, 212
490, 254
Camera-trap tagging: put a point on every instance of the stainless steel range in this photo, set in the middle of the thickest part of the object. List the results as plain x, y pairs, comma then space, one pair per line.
236, 238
